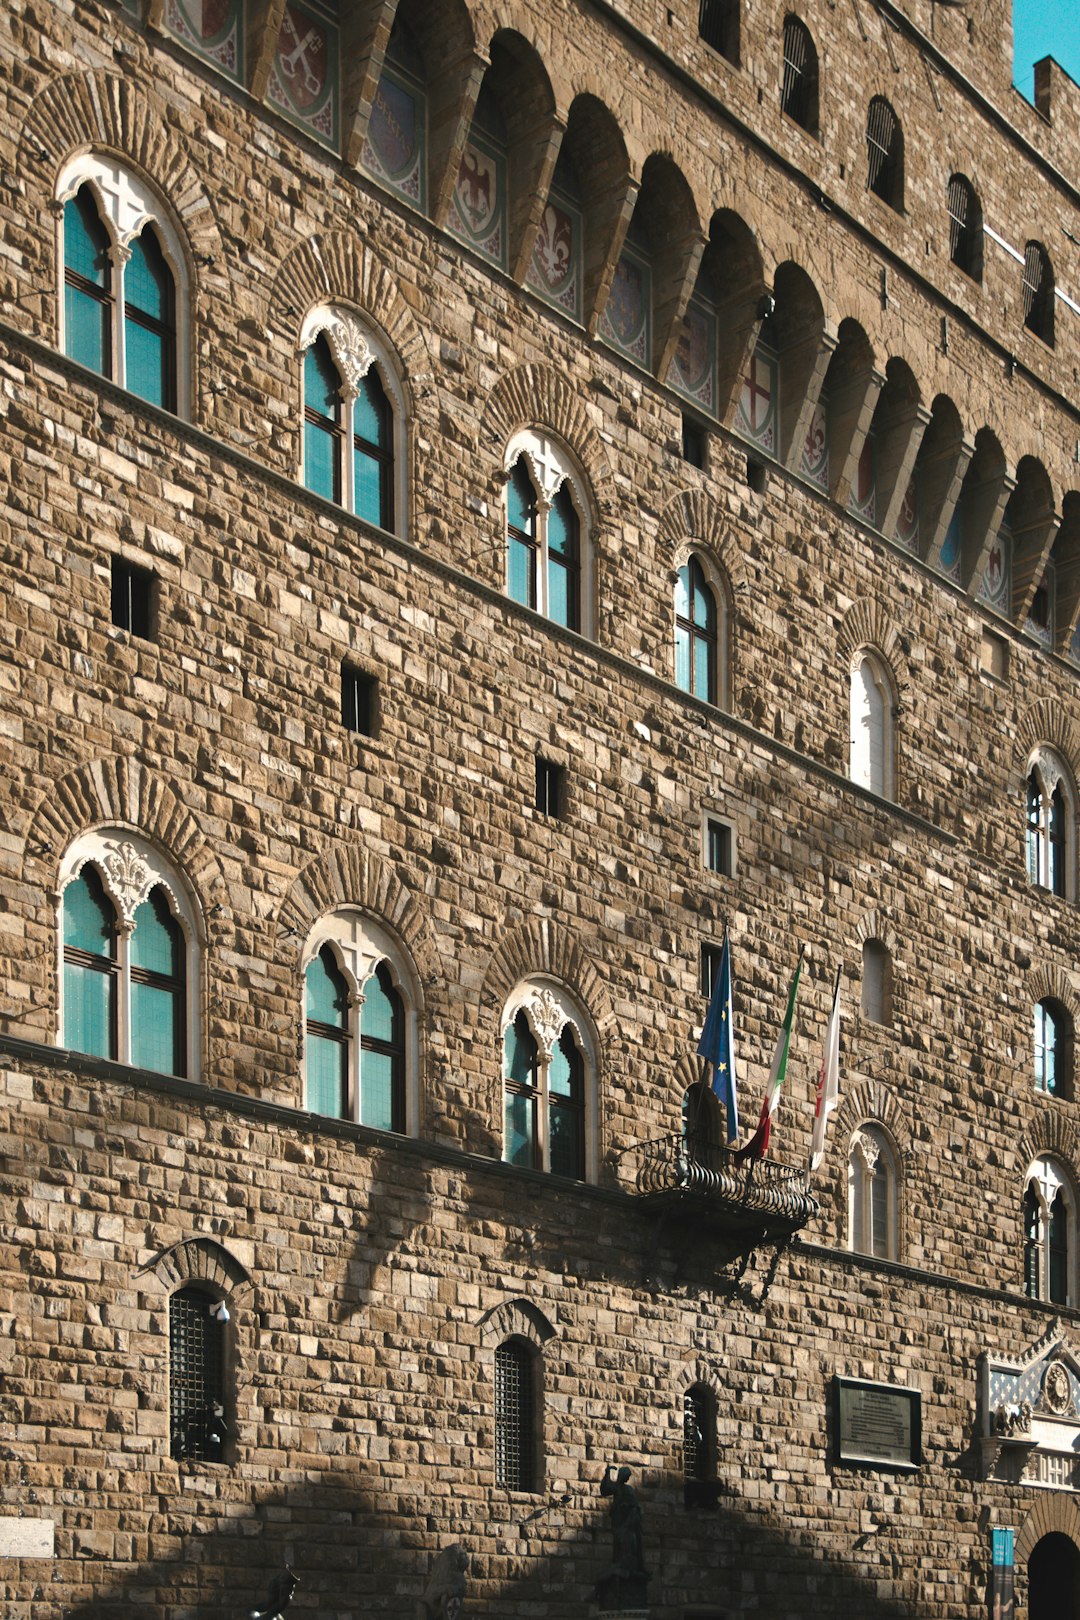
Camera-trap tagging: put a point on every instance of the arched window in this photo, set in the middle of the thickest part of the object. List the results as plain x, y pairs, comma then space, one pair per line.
124, 281
1052, 1048
1049, 840
1049, 1215
799, 95
872, 1194
699, 1446
1039, 292
129, 956
871, 732
697, 633
885, 154
965, 227
718, 26
198, 1419
354, 414
547, 532
360, 1025
549, 1064
515, 1415
876, 982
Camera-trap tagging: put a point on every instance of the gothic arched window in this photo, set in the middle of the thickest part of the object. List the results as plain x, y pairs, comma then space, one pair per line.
354, 416
1049, 835
965, 227
873, 1194
1052, 1045
885, 154
547, 532
548, 1083
130, 956
699, 638
360, 1025
799, 94
871, 734
1049, 1215
124, 280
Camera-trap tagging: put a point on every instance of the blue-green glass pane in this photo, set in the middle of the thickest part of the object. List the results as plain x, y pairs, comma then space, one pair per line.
560, 599
522, 573
320, 461
327, 1088
704, 606
682, 658
520, 1053
322, 385
326, 991
564, 1075
682, 593
89, 918
86, 242
519, 1130
562, 527
520, 501
380, 1016
566, 1141
377, 1090
146, 360
88, 1010
368, 487
155, 1021
86, 329
702, 668
157, 942
371, 414
147, 282
1057, 1236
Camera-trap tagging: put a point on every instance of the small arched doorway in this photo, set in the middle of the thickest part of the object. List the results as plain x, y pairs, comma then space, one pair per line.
1054, 1579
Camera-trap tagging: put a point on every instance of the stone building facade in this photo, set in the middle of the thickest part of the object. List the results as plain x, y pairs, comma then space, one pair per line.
495, 493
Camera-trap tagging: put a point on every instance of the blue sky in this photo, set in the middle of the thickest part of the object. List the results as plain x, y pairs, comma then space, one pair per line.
1044, 28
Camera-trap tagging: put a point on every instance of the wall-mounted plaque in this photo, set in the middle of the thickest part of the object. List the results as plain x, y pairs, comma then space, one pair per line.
877, 1424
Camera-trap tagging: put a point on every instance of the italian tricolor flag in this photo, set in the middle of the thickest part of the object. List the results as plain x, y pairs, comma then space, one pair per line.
758, 1145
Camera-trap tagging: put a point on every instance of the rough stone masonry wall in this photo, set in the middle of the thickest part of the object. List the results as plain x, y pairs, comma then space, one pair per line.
222, 742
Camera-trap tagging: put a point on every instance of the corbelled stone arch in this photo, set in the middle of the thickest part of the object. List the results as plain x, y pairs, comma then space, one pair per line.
101, 111
120, 792
872, 1103
543, 948
868, 624
516, 1319
350, 875
1053, 1513
1051, 983
694, 518
536, 395
877, 925
697, 1370
334, 267
1052, 1135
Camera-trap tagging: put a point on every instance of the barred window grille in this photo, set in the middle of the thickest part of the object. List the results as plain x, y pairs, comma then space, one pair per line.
718, 26
196, 1377
885, 154
1038, 292
965, 227
514, 1439
699, 1449
799, 98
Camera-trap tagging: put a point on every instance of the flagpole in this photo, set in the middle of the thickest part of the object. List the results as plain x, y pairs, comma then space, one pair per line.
828, 1082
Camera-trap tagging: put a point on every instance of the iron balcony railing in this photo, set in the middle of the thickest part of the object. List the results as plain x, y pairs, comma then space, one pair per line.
692, 1169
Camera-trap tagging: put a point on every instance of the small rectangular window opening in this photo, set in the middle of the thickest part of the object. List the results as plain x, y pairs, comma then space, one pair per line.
994, 655
693, 442
719, 846
549, 787
359, 705
755, 475
133, 598
710, 969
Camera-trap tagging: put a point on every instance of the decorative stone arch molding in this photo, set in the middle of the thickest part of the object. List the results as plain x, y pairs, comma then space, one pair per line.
867, 626
698, 1372
335, 268
85, 111
516, 1318
539, 396
875, 925
871, 1103
1053, 1513
543, 948
692, 521
120, 792
1050, 1135
1052, 984
1047, 728
349, 875
202, 1260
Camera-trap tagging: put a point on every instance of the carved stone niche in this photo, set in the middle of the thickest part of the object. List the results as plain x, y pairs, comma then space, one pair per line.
1029, 1414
